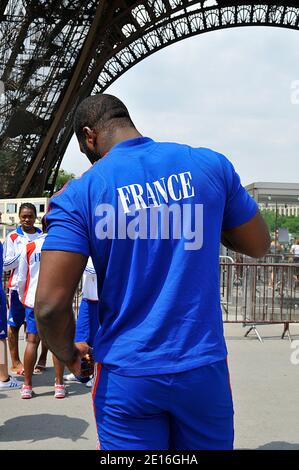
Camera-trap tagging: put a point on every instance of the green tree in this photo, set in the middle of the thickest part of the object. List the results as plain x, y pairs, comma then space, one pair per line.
290, 222
62, 178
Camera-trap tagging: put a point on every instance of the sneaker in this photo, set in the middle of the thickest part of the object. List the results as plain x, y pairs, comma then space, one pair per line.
10, 384
59, 391
70, 378
26, 391
89, 384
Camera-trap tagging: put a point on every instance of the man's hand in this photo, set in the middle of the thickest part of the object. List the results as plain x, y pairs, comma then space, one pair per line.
87, 361
83, 364
83, 347
75, 365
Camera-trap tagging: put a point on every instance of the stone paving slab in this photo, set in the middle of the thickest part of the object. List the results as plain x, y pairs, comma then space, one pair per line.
265, 388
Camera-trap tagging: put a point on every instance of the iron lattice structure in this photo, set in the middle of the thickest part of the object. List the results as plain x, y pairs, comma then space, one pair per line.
56, 52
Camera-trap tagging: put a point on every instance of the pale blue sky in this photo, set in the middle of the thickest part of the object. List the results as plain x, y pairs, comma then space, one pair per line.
229, 90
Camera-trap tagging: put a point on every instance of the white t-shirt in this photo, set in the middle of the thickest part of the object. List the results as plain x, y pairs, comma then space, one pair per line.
31, 236
295, 250
28, 271
89, 285
13, 246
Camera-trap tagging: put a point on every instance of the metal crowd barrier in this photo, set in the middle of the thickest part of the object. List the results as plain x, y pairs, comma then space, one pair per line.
278, 258
269, 258
251, 293
260, 293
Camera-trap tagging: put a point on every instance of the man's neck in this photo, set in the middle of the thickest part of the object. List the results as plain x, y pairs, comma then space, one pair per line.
120, 135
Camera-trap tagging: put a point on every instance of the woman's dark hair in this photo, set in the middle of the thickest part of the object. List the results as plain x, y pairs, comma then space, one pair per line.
28, 205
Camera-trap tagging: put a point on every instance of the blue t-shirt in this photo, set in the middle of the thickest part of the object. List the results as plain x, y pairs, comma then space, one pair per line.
150, 215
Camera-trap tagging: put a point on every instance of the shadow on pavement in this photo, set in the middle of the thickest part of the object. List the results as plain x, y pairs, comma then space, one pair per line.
279, 445
41, 427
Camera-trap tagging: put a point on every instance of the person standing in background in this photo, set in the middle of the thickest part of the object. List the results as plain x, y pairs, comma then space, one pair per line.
6, 381
13, 246
28, 272
295, 250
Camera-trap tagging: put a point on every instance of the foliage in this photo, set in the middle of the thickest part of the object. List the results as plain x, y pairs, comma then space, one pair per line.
62, 178
290, 222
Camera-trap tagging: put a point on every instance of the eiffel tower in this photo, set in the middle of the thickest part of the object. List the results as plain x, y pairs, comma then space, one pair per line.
56, 52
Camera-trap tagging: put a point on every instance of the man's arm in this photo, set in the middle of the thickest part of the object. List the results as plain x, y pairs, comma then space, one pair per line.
251, 238
60, 273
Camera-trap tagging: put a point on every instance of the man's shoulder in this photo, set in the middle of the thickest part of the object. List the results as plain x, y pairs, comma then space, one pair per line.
211, 160
201, 152
205, 153
77, 194
208, 152
79, 185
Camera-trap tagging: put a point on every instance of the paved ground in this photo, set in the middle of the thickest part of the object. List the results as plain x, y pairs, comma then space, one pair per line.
265, 387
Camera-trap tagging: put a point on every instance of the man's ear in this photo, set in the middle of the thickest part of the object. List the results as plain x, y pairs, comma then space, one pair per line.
89, 135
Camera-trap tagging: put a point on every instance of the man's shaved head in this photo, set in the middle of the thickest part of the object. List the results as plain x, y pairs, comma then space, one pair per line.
100, 122
100, 112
